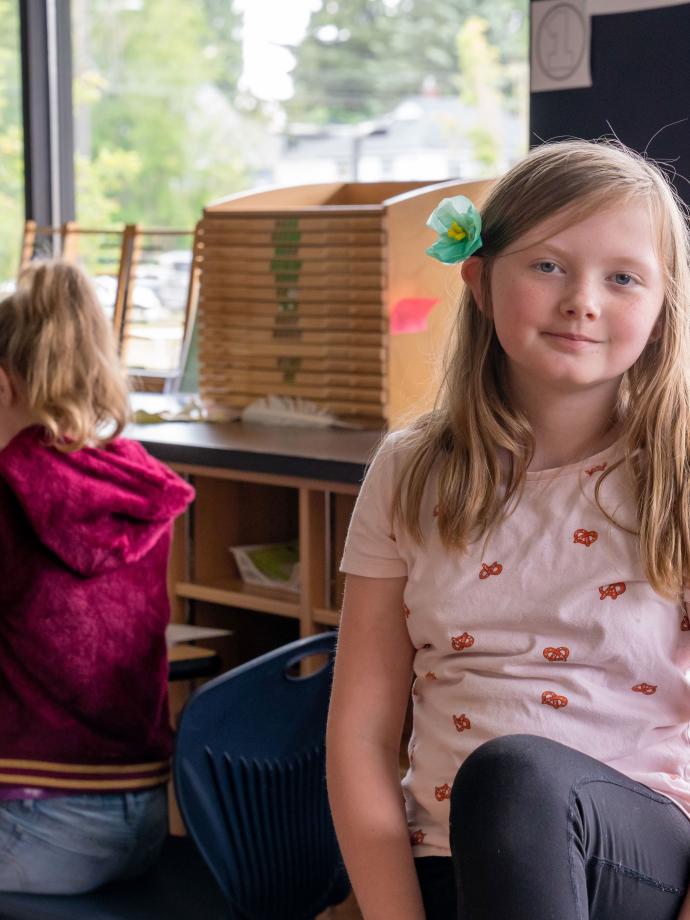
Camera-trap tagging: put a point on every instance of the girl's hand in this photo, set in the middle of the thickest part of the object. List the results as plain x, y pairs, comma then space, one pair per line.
371, 690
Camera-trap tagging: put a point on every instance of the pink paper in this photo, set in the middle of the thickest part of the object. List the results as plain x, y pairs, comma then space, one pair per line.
410, 314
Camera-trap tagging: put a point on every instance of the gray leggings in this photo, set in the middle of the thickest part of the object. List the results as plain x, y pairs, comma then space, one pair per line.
540, 831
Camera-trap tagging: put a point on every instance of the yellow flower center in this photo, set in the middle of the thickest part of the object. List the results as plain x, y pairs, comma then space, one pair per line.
455, 231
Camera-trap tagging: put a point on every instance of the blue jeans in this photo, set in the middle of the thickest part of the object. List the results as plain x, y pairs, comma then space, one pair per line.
73, 844
540, 831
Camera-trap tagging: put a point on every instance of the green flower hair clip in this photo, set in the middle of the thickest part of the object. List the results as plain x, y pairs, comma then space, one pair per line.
458, 224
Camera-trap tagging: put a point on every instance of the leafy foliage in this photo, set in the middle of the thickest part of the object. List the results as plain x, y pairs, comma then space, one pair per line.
144, 74
11, 148
361, 57
481, 69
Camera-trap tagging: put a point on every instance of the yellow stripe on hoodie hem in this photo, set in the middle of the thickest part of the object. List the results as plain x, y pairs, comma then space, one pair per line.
51, 767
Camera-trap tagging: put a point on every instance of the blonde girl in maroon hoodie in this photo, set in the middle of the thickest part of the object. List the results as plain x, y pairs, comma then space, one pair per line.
85, 524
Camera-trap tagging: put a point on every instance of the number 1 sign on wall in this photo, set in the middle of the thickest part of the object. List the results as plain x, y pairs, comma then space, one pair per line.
560, 45
561, 38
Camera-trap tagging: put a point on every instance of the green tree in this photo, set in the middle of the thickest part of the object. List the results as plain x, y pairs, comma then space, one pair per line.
11, 148
142, 72
100, 182
480, 67
506, 31
224, 44
361, 57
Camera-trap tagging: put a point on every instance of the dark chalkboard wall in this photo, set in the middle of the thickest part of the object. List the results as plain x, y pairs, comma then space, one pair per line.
640, 66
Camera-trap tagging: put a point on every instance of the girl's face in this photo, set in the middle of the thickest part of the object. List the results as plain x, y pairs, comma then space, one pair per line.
575, 304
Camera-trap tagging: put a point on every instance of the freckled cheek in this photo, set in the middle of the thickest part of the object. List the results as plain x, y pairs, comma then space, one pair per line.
520, 317
632, 335
513, 332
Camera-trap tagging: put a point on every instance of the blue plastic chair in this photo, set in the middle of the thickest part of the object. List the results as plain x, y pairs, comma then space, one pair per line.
250, 783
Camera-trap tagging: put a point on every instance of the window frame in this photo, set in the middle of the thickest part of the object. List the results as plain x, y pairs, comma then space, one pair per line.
48, 124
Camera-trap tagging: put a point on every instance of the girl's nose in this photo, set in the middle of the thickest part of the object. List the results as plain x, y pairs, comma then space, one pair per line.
580, 302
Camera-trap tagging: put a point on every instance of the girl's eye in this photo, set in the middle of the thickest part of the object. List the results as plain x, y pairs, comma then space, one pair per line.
622, 279
547, 268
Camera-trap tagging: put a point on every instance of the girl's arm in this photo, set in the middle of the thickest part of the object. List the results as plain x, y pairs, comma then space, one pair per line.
371, 689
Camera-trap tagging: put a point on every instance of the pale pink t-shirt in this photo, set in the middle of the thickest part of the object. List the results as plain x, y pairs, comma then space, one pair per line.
550, 629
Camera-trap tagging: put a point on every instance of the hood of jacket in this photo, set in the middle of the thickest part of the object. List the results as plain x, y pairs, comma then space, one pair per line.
95, 508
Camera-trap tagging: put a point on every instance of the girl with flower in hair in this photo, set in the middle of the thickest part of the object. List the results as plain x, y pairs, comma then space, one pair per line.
85, 524
519, 557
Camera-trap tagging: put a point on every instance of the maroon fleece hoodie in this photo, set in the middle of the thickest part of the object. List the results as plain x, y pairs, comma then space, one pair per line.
84, 542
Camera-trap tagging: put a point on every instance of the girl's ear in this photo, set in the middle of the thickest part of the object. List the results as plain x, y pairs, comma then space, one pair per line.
7, 392
472, 276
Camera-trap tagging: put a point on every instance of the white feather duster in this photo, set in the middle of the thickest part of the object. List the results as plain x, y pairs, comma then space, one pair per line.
289, 410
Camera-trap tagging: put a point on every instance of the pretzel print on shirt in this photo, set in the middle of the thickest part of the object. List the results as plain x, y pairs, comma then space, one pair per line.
556, 654
442, 792
585, 537
494, 569
462, 642
406, 610
430, 675
461, 723
647, 689
596, 469
613, 591
551, 698
417, 837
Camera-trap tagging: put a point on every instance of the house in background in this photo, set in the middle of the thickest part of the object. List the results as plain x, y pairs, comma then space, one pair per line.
429, 137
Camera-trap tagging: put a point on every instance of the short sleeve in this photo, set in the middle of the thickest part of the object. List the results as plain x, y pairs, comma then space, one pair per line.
370, 547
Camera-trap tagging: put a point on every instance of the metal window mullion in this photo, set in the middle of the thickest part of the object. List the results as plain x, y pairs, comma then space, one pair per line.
53, 113
47, 108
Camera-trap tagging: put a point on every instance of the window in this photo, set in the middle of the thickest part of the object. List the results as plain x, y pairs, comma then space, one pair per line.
178, 103
11, 149
400, 89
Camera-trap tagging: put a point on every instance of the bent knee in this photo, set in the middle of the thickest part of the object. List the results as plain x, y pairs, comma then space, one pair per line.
509, 764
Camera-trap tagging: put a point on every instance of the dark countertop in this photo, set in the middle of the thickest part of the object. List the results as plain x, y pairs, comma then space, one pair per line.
328, 454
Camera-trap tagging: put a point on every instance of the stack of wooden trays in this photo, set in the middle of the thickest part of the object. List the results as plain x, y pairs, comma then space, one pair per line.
295, 298
292, 305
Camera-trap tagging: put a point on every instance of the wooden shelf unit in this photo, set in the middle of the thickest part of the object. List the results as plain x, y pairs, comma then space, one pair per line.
231, 592
235, 511
257, 485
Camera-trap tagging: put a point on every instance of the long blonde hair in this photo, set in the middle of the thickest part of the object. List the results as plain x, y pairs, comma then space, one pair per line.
57, 345
474, 419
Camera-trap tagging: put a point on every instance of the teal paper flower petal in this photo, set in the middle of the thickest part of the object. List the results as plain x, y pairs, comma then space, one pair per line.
445, 250
458, 224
